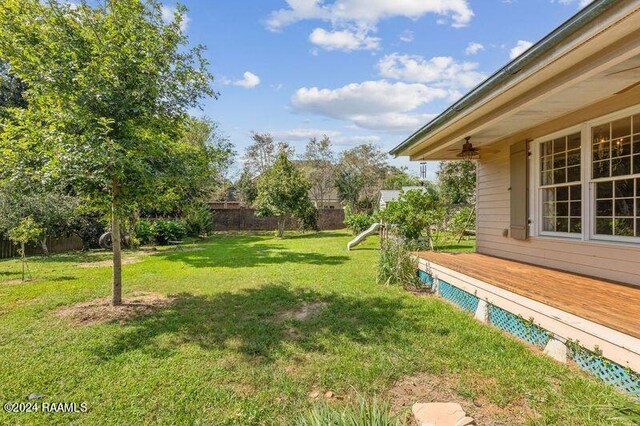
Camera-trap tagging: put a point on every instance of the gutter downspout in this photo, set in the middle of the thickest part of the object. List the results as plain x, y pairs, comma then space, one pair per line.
502, 76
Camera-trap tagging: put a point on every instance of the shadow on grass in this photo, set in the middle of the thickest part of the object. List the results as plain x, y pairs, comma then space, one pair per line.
250, 322
248, 251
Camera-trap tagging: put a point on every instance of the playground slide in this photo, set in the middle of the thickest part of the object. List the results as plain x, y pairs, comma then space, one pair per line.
360, 238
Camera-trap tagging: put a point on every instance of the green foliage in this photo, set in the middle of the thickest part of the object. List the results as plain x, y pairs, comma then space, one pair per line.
414, 212
11, 91
358, 222
457, 182
26, 231
318, 164
398, 177
165, 230
89, 224
365, 413
360, 175
463, 219
247, 188
198, 220
144, 231
396, 266
309, 219
283, 191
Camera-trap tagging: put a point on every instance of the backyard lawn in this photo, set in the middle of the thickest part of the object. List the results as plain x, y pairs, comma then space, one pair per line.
257, 330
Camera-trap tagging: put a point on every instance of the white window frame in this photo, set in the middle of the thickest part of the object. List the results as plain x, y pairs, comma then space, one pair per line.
536, 187
587, 182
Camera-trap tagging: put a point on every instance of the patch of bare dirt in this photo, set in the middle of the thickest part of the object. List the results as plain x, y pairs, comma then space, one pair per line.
128, 260
304, 312
100, 311
425, 387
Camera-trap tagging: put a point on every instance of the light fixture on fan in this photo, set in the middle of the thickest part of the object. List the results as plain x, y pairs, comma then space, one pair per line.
468, 151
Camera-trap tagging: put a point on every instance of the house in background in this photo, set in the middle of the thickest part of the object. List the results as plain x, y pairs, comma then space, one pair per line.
556, 136
389, 195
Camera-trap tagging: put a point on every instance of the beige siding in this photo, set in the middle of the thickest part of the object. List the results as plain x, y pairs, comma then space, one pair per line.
619, 262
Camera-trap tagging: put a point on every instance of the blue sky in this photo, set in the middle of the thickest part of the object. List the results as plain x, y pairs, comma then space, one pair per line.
357, 70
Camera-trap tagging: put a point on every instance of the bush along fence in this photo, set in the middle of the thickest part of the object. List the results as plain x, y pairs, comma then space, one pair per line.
620, 377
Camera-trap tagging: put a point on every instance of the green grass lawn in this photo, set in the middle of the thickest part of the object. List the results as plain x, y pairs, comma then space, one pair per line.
229, 349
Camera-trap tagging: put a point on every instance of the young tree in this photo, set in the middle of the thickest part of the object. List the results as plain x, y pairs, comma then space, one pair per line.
110, 84
247, 188
262, 153
457, 181
398, 177
361, 173
416, 211
25, 232
319, 167
283, 191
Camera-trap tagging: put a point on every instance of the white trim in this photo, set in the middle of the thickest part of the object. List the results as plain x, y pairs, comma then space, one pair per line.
588, 184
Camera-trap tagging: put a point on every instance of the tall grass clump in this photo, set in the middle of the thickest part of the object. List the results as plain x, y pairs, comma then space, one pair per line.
365, 413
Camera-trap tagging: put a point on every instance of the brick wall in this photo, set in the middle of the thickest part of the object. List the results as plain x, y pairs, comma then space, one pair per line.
246, 220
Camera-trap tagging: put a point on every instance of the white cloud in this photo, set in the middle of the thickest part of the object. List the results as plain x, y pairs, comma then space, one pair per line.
406, 36
343, 40
249, 80
520, 47
367, 13
378, 105
303, 134
473, 48
169, 14
442, 72
355, 140
581, 3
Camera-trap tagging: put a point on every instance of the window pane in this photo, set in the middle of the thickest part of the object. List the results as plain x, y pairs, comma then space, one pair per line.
573, 174
604, 190
576, 192
621, 166
575, 225
562, 193
562, 209
623, 227
549, 224
636, 164
601, 169
624, 207
549, 209
560, 145
636, 123
548, 195
559, 160
620, 128
621, 147
636, 143
560, 176
601, 150
604, 226
624, 188
573, 157
547, 178
604, 208
547, 148
547, 162
562, 225
637, 227
576, 209
601, 133
573, 141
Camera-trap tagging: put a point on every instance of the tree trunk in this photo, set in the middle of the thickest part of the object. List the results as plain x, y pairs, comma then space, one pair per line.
45, 249
281, 223
116, 296
24, 260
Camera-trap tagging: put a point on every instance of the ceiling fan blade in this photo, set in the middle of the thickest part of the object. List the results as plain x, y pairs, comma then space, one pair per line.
625, 70
626, 89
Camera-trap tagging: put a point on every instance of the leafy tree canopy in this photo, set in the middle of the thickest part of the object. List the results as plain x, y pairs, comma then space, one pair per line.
457, 181
283, 191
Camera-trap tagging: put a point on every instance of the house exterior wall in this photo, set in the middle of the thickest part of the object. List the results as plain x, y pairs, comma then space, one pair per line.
609, 260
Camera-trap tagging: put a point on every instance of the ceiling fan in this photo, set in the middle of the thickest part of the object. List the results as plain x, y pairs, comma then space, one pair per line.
469, 152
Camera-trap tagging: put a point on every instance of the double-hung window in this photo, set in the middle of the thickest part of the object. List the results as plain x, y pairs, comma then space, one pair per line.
587, 181
615, 154
560, 185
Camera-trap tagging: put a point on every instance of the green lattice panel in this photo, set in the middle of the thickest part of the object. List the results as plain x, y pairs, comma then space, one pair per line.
466, 301
621, 378
515, 325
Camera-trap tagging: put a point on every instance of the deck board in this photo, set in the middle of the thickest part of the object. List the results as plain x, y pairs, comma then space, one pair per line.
608, 303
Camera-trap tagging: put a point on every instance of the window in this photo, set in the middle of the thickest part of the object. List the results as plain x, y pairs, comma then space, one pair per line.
560, 185
616, 177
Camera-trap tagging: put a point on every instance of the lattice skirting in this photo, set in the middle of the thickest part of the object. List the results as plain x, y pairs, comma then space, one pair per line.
466, 301
517, 326
611, 373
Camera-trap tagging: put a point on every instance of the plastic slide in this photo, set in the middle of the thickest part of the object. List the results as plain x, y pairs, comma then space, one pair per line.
360, 238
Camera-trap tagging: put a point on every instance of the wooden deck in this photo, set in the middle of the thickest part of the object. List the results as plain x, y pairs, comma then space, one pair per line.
608, 303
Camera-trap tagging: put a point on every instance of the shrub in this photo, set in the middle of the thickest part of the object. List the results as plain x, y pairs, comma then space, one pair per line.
358, 222
396, 266
462, 220
168, 230
415, 211
144, 231
198, 221
309, 219
365, 413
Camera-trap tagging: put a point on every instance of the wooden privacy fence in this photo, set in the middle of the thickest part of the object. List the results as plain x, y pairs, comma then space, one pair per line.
55, 245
